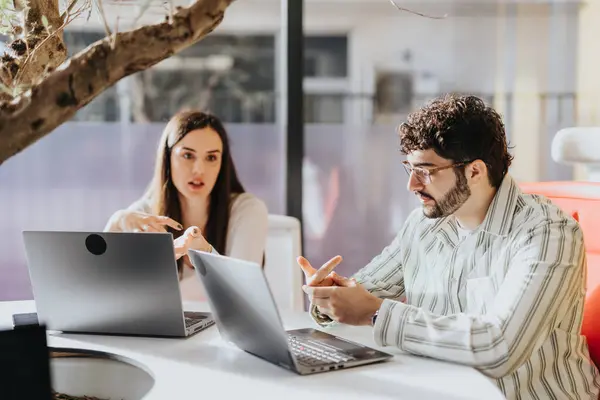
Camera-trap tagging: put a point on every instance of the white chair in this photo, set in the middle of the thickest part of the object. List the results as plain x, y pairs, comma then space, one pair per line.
283, 273
579, 146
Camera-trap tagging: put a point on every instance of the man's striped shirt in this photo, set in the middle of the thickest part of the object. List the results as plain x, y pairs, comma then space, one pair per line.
506, 299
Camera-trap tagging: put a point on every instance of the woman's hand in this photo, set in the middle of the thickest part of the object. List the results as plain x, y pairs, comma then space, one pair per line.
191, 239
135, 221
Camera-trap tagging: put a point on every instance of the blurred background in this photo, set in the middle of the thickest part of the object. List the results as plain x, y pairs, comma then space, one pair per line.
366, 65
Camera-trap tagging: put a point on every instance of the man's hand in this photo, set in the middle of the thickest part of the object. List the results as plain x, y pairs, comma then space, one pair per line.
321, 276
348, 302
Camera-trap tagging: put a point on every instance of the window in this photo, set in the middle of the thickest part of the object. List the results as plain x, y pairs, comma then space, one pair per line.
326, 56
324, 108
232, 76
393, 93
326, 79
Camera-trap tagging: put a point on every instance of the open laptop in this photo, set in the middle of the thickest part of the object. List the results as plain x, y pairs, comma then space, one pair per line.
246, 315
109, 283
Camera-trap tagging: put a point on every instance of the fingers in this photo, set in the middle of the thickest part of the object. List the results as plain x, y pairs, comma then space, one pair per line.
325, 270
162, 220
141, 222
306, 267
321, 303
192, 231
154, 227
319, 292
342, 281
183, 242
149, 227
180, 247
325, 282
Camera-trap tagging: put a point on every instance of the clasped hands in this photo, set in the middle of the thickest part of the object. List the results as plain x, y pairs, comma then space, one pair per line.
342, 299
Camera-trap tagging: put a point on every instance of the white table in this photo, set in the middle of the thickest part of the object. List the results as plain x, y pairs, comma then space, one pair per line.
204, 365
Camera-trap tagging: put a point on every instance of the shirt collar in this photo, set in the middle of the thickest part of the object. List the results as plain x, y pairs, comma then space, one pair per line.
500, 215
498, 219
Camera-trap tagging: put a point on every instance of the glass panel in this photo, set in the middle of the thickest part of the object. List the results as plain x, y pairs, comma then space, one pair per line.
324, 108
519, 58
79, 175
158, 94
77, 40
83, 172
394, 92
233, 76
355, 196
326, 56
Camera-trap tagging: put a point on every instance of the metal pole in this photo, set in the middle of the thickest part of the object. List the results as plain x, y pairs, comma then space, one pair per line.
293, 10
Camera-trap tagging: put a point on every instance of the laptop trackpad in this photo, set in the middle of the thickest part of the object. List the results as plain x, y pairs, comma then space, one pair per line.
358, 351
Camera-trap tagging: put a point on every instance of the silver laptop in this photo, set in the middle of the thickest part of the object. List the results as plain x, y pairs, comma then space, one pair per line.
246, 315
109, 283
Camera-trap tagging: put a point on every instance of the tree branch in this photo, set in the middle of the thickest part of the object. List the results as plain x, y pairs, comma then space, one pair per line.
417, 13
48, 44
69, 9
78, 81
39, 47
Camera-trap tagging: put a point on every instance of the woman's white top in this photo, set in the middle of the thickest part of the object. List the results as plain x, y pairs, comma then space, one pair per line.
246, 237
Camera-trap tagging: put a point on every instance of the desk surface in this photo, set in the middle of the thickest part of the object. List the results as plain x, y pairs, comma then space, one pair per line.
205, 365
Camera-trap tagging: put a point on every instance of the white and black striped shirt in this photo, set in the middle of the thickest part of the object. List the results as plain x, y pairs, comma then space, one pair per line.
506, 300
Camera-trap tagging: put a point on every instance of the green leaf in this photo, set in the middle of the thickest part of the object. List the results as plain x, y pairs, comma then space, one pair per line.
45, 22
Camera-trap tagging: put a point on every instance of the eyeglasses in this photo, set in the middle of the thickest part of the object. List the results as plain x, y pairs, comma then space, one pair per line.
423, 175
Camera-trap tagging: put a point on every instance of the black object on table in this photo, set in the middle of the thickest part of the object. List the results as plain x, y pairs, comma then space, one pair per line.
25, 364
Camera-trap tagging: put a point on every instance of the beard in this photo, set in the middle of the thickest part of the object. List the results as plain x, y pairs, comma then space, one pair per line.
452, 201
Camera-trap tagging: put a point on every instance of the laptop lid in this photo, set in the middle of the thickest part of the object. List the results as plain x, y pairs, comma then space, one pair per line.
243, 306
107, 283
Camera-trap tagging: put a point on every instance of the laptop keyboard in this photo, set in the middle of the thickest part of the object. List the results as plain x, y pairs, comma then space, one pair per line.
192, 318
312, 353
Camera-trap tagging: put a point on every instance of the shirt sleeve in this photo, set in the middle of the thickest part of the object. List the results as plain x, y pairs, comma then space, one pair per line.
140, 205
248, 229
545, 277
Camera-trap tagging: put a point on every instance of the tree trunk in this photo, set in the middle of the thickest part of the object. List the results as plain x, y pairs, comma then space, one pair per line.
74, 84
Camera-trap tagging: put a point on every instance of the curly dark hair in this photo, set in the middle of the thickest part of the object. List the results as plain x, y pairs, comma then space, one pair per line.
461, 129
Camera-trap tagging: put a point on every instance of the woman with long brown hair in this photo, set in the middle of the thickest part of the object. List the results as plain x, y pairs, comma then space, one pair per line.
196, 195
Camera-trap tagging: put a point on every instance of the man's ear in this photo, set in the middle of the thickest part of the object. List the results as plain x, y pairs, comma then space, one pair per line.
476, 171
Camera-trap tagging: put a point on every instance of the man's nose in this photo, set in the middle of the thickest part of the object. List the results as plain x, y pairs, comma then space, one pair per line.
414, 185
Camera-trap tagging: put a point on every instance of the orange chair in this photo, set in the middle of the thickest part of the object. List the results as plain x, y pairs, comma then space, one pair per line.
582, 201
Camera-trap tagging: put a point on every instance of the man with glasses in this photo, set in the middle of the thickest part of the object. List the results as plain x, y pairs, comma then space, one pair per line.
482, 274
